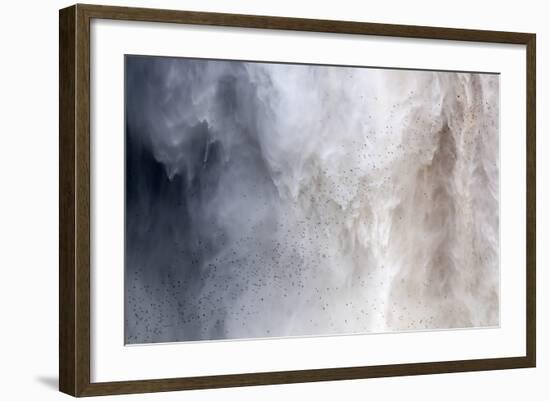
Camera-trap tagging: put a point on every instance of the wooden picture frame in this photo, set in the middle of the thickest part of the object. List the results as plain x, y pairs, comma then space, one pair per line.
74, 200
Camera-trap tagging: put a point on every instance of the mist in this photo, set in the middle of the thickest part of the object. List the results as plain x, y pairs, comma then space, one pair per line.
275, 200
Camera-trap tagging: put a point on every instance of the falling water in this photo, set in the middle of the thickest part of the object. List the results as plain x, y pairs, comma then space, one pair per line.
272, 200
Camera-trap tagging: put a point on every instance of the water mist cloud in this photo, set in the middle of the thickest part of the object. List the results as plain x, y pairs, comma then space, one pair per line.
286, 200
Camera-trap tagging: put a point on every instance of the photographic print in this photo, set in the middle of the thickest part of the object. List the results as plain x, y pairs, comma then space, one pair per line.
270, 200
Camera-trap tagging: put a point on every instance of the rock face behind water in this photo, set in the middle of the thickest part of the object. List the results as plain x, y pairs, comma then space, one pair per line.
272, 200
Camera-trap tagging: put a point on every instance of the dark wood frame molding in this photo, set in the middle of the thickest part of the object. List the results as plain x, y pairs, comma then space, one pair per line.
74, 199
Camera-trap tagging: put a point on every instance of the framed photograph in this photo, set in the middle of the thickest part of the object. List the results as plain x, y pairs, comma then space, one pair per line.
250, 200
